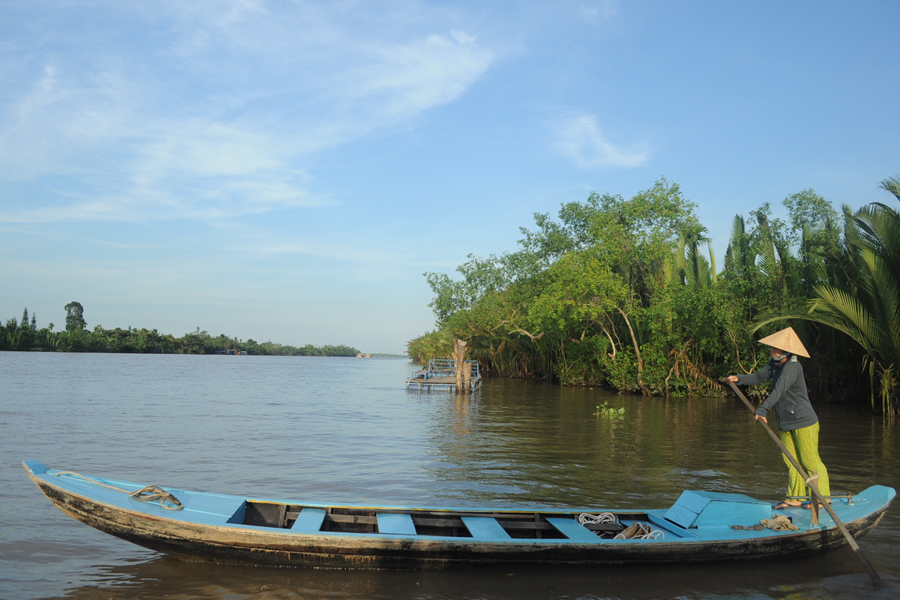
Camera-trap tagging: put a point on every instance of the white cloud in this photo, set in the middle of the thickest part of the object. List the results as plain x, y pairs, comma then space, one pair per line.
45, 129
462, 37
405, 80
604, 9
340, 252
212, 108
580, 138
202, 148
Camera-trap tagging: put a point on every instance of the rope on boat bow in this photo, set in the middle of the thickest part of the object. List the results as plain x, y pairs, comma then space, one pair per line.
151, 492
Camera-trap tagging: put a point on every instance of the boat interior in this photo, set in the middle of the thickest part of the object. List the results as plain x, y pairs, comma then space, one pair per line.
447, 523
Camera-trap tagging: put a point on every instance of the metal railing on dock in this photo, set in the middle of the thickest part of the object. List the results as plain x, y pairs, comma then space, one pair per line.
441, 374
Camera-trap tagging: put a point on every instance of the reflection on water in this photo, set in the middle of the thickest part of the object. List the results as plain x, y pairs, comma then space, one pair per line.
169, 578
346, 430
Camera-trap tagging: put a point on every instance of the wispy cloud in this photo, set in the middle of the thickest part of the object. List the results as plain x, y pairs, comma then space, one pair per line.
319, 249
404, 80
580, 138
51, 120
214, 107
600, 10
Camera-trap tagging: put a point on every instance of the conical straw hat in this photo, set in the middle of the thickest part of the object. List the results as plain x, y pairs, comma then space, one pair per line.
786, 340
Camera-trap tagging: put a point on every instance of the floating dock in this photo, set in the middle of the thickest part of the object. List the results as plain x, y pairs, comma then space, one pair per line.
441, 374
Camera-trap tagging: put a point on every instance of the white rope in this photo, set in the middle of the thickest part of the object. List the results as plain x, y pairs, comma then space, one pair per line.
642, 531
585, 518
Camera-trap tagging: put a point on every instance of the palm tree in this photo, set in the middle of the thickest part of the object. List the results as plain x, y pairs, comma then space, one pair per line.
892, 184
740, 256
866, 306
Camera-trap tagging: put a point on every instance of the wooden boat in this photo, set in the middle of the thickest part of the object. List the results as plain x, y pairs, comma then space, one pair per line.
700, 527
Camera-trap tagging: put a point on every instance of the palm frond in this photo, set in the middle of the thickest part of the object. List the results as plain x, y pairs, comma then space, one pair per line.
892, 184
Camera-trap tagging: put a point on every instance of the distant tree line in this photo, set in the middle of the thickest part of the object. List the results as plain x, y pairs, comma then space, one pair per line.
625, 293
24, 334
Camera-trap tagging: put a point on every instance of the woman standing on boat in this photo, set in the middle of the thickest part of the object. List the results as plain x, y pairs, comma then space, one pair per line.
794, 413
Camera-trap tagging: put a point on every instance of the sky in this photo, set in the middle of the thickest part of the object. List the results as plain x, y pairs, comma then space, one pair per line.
287, 171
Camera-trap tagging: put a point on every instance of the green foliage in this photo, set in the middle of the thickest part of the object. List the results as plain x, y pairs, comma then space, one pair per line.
740, 257
25, 336
603, 410
580, 299
75, 317
436, 344
625, 293
861, 297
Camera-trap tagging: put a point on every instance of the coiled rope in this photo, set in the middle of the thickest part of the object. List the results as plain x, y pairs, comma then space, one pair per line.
635, 531
640, 531
146, 494
153, 492
604, 518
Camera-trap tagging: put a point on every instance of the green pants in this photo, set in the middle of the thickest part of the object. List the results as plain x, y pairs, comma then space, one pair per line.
803, 444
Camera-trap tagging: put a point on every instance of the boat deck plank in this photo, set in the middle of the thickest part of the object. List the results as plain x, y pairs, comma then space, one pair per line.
573, 530
309, 520
668, 527
395, 523
485, 528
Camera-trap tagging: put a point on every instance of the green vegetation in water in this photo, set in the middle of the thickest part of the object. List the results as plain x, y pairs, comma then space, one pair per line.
603, 410
626, 294
25, 335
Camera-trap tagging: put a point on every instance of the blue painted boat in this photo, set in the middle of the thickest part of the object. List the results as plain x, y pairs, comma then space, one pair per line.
700, 527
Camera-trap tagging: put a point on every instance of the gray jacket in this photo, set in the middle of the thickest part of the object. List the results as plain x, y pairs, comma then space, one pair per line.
788, 395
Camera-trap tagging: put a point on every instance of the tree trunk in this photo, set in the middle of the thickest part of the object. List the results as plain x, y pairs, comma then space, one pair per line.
637, 352
459, 356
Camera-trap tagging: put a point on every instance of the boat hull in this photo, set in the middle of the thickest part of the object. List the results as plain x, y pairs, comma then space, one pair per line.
160, 530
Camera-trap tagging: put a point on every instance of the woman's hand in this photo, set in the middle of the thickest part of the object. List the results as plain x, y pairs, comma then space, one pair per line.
759, 418
732, 378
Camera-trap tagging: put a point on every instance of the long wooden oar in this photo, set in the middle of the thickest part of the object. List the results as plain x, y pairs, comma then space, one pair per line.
813, 488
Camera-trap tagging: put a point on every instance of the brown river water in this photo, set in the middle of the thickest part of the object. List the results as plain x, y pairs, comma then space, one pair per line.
346, 430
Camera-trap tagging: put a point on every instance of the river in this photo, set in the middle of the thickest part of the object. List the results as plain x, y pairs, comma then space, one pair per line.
346, 430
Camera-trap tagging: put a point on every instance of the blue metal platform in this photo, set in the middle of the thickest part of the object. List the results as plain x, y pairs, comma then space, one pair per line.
441, 374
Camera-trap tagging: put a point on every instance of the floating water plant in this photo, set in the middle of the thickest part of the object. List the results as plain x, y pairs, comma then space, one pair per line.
609, 411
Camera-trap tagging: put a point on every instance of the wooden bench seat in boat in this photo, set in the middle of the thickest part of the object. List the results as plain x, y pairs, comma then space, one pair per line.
485, 528
395, 523
309, 520
573, 530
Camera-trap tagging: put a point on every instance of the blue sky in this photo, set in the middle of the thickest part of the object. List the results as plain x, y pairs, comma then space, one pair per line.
287, 171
